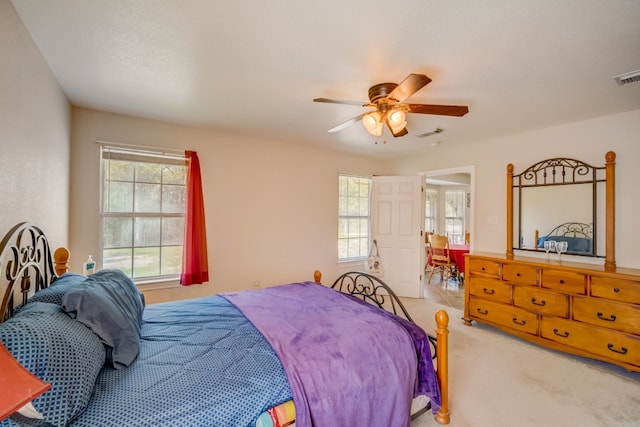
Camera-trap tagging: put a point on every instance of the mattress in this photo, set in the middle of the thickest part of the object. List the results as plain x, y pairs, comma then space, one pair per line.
192, 369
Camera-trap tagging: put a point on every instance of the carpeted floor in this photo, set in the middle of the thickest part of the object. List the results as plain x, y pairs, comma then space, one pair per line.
498, 380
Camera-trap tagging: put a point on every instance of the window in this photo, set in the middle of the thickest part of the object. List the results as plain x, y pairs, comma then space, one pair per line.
353, 217
454, 208
431, 210
143, 202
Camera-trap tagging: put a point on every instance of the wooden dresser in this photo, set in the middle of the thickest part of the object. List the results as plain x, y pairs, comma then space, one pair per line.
571, 307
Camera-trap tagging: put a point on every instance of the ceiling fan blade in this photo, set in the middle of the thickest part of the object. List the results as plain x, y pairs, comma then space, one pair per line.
345, 124
338, 101
442, 110
410, 85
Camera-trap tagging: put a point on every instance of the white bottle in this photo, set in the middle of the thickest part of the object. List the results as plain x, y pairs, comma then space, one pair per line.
89, 266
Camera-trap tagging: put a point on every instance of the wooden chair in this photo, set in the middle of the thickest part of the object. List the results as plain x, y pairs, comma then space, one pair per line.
440, 259
427, 243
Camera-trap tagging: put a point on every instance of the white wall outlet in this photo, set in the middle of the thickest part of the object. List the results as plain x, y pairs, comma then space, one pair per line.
493, 220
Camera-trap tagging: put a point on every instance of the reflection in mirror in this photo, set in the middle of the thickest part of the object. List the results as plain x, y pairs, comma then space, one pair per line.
563, 213
561, 200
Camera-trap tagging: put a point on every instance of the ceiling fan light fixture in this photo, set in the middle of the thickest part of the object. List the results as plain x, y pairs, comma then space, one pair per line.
372, 122
397, 117
397, 121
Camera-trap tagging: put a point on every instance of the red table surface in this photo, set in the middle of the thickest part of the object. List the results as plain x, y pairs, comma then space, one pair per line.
456, 253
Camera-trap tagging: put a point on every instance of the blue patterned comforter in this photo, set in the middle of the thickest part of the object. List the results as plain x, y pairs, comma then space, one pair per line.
191, 371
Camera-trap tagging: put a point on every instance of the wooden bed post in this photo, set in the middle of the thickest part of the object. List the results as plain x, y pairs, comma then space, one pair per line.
61, 260
510, 211
317, 277
442, 357
610, 198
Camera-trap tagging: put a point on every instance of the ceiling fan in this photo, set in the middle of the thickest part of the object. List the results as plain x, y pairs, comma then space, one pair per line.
389, 108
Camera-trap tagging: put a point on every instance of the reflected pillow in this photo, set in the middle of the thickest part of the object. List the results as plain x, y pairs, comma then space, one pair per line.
574, 244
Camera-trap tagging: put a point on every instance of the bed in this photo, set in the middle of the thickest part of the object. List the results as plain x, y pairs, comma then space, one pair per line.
578, 235
296, 354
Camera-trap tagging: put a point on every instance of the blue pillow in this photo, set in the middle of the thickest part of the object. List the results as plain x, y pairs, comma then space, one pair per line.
109, 303
578, 244
541, 241
58, 350
54, 293
574, 244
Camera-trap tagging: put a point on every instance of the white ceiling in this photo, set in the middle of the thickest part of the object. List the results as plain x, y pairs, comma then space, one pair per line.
252, 67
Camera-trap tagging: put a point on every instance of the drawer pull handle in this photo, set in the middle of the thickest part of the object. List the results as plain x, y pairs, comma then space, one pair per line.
482, 269
488, 291
517, 274
519, 322
541, 303
481, 311
565, 334
623, 350
611, 318
562, 281
616, 290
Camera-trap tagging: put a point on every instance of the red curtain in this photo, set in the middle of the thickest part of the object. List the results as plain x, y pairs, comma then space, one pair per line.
195, 266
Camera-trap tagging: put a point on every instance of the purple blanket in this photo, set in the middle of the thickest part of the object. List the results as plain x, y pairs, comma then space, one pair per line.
348, 363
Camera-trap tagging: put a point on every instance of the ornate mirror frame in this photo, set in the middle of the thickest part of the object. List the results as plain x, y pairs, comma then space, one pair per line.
566, 171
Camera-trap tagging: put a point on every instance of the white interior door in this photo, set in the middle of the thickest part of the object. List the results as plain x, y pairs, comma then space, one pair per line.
396, 223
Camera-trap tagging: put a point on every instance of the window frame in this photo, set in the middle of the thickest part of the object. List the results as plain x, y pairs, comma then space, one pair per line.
364, 240
431, 215
449, 221
138, 156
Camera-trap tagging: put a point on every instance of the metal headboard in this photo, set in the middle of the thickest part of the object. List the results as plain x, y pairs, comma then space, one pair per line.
371, 289
573, 229
25, 259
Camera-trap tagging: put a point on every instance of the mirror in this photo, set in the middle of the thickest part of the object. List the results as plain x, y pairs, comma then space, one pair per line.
562, 200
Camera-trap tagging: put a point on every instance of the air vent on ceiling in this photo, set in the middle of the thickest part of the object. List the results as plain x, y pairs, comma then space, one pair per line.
433, 132
628, 78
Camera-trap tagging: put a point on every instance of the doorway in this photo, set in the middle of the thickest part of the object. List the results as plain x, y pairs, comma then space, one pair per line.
452, 181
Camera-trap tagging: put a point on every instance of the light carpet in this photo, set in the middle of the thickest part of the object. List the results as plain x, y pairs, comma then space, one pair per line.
498, 380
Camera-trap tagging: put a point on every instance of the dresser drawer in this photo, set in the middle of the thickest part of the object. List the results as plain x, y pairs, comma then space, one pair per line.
483, 267
519, 273
564, 281
621, 317
491, 289
505, 315
616, 289
541, 301
610, 344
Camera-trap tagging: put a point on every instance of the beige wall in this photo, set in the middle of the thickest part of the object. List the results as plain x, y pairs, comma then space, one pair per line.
586, 140
271, 208
34, 135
